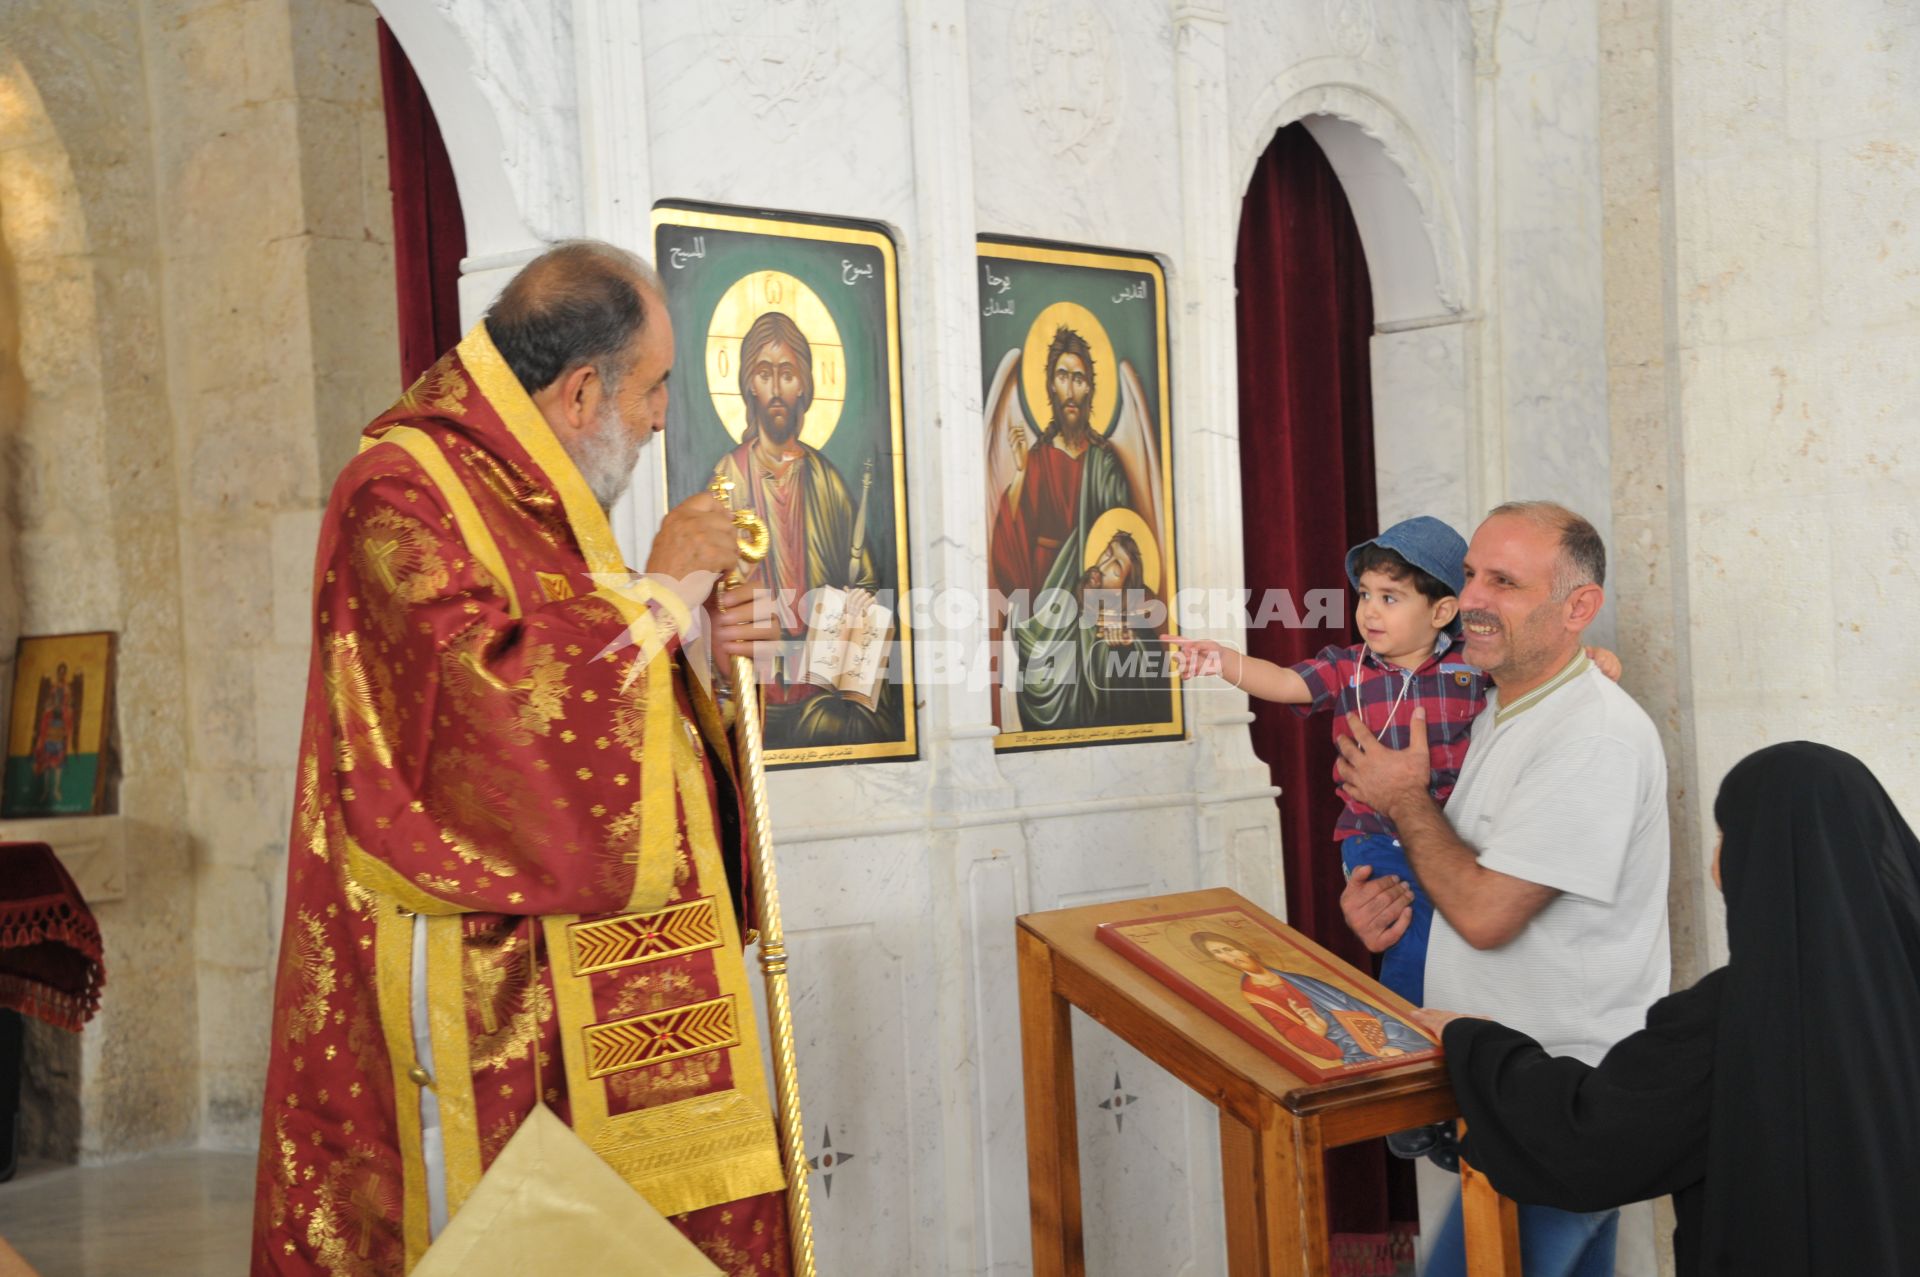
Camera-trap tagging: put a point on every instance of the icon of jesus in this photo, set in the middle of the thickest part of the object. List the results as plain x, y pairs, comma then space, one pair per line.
1313, 1016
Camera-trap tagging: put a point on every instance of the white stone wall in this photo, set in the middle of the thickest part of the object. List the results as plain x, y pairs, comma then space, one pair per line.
1796, 400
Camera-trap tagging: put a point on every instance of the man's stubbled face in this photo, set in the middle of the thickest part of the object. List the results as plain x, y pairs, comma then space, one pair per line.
776, 386
1070, 392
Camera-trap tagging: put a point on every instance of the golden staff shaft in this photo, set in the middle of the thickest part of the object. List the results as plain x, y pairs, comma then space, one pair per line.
773, 968
773, 942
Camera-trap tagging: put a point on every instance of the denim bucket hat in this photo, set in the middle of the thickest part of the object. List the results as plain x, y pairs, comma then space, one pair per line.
1425, 542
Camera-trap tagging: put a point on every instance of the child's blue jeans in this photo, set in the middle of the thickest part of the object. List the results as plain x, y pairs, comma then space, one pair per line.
1403, 968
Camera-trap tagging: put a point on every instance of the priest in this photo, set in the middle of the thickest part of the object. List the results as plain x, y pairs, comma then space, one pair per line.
515, 875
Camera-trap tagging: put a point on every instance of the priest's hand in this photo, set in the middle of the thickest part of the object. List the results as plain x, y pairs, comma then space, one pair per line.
1383, 778
1378, 910
697, 543
742, 618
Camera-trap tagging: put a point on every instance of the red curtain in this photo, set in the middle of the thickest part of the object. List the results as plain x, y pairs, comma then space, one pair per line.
429, 231
1306, 482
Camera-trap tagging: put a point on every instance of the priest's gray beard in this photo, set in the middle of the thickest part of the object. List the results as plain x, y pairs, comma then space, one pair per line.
607, 455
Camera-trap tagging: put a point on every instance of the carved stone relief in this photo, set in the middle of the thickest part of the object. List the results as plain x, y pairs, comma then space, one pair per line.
777, 51
1071, 85
1486, 34
1351, 24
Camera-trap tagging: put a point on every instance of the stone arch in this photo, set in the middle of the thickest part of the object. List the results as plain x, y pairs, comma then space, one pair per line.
475, 143
1417, 262
497, 230
1402, 203
52, 408
91, 476
55, 401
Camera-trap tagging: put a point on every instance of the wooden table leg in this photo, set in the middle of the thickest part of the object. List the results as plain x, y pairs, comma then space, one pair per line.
1312, 1233
1492, 1226
1275, 1172
1053, 1152
1244, 1203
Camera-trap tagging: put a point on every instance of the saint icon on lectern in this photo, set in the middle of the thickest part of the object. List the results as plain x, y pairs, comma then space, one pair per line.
1313, 1016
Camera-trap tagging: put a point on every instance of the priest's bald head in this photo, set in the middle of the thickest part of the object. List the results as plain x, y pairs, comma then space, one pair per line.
584, 328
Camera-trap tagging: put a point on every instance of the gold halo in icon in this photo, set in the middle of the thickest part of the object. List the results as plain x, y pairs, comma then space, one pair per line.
750, 297
1121, 519
1033, 362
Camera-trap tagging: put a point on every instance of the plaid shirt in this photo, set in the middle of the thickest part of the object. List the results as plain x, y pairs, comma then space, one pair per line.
1344, 679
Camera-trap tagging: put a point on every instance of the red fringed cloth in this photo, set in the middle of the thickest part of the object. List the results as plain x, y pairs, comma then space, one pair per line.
1367, 1255
50, 956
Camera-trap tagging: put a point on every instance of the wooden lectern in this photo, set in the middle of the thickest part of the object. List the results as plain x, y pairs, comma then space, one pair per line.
1275, 1126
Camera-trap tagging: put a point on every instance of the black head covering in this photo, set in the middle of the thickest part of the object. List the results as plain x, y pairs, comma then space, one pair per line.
1813, 1161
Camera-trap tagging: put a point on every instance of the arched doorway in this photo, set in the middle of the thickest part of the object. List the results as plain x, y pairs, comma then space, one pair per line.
1305, 322
429, 226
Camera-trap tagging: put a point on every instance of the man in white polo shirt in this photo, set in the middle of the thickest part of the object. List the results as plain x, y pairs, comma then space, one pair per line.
1548, 868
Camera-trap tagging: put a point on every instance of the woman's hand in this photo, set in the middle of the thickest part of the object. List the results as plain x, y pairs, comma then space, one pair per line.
1435, 1021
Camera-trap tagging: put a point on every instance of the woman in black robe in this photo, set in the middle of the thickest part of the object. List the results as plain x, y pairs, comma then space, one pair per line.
1778, 1099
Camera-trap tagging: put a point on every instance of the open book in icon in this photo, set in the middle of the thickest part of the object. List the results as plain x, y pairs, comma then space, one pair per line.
849, 639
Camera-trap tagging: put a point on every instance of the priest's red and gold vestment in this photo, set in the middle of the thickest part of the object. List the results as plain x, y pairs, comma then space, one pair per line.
508, 839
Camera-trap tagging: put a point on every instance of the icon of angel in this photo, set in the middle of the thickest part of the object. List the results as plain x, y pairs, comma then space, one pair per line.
1097, 451
1055, 492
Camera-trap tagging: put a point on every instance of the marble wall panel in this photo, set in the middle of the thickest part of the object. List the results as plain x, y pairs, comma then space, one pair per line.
870, 971
1735, 545
1551, 301
1869, 253
520, 57
993, 898
751, 105
1746, 261
1074, 125
1421, 429
1871, 394
1874, 548
1848, 64
1138, 1181
851, 1005
1642, 458
1791, 192
1728, 76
